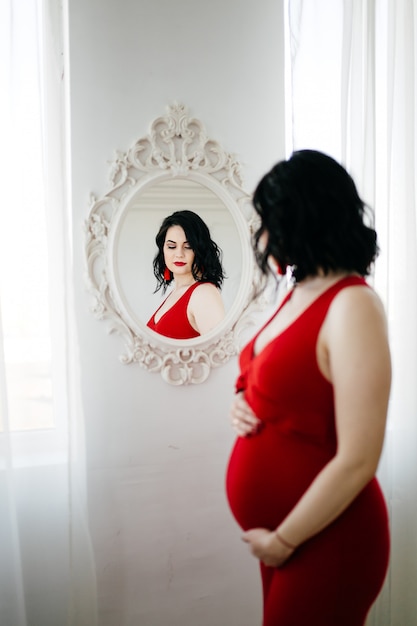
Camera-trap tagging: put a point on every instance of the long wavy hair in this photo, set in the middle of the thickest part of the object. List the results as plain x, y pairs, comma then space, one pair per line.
313, 218
207, 266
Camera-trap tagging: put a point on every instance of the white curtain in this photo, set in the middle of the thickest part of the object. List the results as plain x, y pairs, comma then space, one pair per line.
46, 565
353, 94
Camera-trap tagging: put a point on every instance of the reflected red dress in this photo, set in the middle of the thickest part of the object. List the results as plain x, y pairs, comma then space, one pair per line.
174, 323
333, 578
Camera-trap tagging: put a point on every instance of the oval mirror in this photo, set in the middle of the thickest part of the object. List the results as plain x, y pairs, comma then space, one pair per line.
173, 168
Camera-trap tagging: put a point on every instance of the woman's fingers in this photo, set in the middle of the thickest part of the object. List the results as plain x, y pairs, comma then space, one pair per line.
243, 419
264, 545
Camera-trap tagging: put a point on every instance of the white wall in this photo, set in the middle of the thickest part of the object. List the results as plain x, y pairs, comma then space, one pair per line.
166, 547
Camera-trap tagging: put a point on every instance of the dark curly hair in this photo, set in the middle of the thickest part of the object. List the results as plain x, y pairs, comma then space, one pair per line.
314, 219
207, 265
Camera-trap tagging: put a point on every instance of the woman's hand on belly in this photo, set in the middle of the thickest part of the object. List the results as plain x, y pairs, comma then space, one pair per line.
243, 419
266, 547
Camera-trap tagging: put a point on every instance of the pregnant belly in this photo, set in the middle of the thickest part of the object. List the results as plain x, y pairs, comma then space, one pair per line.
268, 473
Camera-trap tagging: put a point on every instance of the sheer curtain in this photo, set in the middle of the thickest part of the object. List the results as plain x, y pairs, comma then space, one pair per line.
352, 75
46, 567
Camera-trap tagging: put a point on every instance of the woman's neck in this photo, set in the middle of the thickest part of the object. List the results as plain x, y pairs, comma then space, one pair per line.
183, 282
320, 279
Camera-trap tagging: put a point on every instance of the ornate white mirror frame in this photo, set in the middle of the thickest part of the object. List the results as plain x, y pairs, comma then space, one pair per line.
177, 147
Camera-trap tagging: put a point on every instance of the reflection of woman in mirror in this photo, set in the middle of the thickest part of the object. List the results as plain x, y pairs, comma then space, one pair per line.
190, 261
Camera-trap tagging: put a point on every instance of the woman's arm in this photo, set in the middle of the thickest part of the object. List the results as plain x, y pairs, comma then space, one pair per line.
206, 308
353, 354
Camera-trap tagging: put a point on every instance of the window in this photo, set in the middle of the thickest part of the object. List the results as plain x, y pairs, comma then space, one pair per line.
31, 257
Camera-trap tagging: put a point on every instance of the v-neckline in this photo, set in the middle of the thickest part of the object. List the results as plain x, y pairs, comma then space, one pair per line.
171, 307
286, 299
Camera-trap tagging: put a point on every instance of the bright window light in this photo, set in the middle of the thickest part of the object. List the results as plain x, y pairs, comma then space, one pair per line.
24, 280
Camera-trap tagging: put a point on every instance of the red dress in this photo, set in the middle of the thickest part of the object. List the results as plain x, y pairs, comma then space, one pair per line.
333, 578
174, 323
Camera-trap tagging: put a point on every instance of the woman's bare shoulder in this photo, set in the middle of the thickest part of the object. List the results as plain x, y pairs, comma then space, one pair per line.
354, 337
206, 307
206, 287
357, 309
358, 299
205, 290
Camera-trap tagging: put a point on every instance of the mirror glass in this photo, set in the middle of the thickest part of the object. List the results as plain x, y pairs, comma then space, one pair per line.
136, 248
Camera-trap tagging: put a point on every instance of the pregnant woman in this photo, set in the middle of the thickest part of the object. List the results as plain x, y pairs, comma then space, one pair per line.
311, 404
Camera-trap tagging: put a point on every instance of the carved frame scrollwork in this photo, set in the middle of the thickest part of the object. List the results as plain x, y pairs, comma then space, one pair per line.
177, 146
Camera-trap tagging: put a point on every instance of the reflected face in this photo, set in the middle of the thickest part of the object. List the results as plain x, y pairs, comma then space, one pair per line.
178, 254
